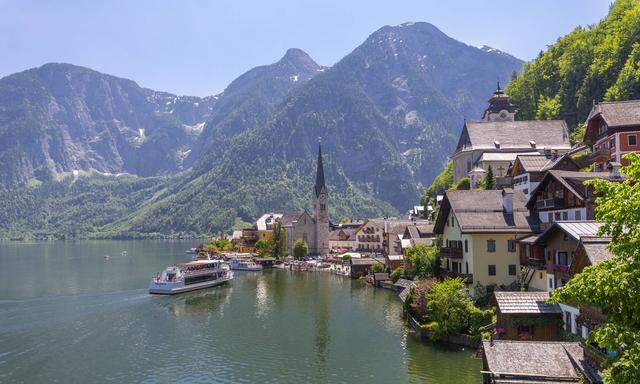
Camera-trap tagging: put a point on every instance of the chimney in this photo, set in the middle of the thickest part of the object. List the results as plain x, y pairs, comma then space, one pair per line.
507, 200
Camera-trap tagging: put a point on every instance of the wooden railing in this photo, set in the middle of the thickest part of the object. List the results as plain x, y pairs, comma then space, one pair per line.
451, 253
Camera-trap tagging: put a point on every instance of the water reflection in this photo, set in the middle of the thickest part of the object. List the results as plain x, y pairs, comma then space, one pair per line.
212, 300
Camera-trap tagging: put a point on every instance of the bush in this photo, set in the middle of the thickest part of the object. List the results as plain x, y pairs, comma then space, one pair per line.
423, 261
300, 249
397, 274
448, 304
378, 268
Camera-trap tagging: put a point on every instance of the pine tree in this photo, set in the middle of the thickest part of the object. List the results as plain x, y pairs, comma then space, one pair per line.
489, 179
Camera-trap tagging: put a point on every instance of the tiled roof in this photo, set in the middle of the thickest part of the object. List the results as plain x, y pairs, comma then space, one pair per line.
532, 135
550, 360
596, 249
380, 276
333, 235
533, 163
525, 302
618, 113
482, 211
289, 217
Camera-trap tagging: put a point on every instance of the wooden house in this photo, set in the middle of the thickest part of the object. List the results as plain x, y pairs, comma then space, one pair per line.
527, 316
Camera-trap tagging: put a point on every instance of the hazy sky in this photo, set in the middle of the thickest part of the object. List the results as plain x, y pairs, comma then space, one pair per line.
198, 47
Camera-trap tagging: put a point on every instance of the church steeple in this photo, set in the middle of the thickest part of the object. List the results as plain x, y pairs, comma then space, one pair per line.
500, 109
319, 174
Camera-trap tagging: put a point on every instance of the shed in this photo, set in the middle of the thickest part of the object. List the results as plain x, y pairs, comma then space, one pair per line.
527, 316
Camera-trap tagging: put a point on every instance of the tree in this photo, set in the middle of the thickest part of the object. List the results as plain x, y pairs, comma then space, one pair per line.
262, 247
463, 184
440, 184
300, 249
422, 260
279, 241
397, 274
613, 284
448, 305
489, 179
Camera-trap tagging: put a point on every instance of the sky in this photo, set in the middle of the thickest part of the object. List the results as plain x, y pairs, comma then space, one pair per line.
191, 47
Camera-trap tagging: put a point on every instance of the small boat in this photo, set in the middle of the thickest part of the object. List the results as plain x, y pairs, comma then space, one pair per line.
191, 251
190, 276
245, 265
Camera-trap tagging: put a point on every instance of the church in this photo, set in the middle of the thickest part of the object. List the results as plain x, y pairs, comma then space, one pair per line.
312, 228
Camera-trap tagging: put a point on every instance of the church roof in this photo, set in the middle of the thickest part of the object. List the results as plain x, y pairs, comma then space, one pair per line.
514, 135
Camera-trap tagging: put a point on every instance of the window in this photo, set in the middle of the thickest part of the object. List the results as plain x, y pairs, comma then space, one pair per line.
466, 246
512, 269
632, 140
557, 216
612, 143
491, 245
511, 245
550, 283
492, 269
563, 258
578, 215
453, 223
550, 217
565, 215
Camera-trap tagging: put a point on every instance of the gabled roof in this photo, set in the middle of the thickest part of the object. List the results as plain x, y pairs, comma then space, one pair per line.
617, 113
525, 303
266, 220
350, 232
573, 181
575, 229
545, 360
596, 248
482, 211
522, 135
289, 218
541, 163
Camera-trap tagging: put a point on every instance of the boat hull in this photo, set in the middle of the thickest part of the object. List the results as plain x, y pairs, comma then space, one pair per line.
170, 288
246, 269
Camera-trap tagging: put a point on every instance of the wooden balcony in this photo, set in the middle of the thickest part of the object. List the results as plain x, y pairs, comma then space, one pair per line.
451, 253
552, 203
467, 277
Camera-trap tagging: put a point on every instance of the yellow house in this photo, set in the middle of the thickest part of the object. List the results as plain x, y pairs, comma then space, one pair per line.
479, 231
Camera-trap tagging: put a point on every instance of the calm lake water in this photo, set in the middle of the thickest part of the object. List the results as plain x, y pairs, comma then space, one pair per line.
69, 315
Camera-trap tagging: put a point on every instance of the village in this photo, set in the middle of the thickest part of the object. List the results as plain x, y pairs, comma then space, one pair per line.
520, 224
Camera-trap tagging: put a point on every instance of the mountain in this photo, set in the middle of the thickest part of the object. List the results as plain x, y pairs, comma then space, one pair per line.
387, 115
599, 62
60, 117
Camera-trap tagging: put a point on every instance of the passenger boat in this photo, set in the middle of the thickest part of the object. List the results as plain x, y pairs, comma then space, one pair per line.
190, 276
245, 265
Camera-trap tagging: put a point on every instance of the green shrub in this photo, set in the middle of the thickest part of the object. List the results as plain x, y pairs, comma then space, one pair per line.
397, 274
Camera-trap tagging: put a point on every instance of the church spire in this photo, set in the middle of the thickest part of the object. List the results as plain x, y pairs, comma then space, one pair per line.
319, 173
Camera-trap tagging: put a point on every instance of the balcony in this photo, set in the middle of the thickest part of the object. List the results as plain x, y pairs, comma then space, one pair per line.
554, 202
601, 154
467, 277
535, 262
559, 268
451, 253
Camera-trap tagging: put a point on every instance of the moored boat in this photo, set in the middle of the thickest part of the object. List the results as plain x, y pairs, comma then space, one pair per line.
245, 265
191, 251
190, 276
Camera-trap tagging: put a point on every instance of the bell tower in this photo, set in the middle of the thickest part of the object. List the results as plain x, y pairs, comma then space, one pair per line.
321, 210
500, 109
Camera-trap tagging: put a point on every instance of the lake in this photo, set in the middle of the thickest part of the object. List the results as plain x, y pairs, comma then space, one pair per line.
69, 314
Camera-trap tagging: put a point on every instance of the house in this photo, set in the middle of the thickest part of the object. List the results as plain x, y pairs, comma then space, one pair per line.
479, 229
613, 129
369, 236
528, 170
380, 278
394, 261
498, 138
535, 362
527, 316
563, 195
248, 240
590, 251
417, 212
361, 267
418, 234
559, 243
342, 240
383, 235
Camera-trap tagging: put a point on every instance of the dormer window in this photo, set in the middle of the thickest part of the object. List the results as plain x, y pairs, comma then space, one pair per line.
496, 143
532, 143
